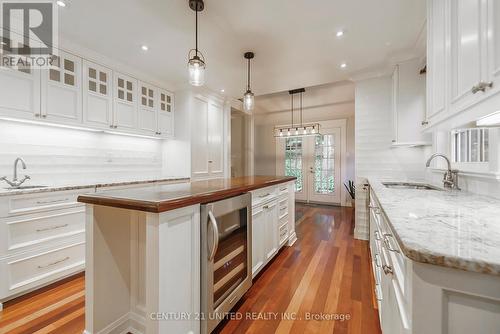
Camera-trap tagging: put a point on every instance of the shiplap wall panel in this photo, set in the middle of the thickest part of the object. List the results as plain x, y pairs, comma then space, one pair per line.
58, 156
373, 139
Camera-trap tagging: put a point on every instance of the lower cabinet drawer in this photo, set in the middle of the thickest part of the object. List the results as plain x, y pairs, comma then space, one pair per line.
283, 234
22, 232
264, 195
32, 270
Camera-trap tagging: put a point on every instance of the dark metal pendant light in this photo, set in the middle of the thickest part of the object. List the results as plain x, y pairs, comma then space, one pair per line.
248, 97
196, 64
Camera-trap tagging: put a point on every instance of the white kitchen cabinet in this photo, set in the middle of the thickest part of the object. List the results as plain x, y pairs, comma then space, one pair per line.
463, 55
466, 52
408, 104
97, 95
207, 138
272, 229
165, 113
61, 90
215, 139
148, 100
19, 92
258, 239
437, 58
124, 102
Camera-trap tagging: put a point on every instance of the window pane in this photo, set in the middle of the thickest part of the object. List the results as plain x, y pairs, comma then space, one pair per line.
324, 164
293, 161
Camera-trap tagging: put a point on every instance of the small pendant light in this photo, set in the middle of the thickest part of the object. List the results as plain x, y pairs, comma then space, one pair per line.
248, 97
196, 64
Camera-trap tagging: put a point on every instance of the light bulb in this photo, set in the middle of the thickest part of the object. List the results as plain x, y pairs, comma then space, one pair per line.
248, 101
305, 131
288, 134
296, 131
281, 132
196, 68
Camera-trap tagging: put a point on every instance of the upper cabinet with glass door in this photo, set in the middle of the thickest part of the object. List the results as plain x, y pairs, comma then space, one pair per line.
463, 58
125, 102
165, 113
61, 93
97, 96
19, 88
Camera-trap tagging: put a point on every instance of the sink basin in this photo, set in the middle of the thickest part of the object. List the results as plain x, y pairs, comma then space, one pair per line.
25, 187
409, 185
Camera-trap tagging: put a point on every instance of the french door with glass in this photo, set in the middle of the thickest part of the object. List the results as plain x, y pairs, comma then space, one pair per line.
315, 161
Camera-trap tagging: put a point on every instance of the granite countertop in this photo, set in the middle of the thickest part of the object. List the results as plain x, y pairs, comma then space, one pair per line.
95, 186
167, 197
454, 229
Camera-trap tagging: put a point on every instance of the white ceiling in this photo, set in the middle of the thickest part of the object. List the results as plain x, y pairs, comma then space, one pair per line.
294, 41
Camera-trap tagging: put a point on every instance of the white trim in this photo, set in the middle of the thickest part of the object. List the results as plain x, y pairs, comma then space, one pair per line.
481, 175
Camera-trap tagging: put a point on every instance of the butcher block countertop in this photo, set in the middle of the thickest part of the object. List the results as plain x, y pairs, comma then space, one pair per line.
161, 198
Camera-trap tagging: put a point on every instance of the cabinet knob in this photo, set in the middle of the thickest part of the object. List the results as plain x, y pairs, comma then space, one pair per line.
210, 161
44, 116
425, 122
111, 126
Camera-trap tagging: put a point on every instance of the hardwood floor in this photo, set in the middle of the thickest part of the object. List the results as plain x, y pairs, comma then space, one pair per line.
325, 274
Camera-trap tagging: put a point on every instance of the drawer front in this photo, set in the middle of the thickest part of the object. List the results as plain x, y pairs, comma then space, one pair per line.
34, 270
283, 207
283, 234
283, 190
26, 204
22, 232
264, 195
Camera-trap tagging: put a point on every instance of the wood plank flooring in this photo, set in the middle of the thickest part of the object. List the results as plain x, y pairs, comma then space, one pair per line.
321, 281
325, 274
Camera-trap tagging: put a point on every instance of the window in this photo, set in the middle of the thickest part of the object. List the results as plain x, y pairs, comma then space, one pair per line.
324, 164
293, 161
470, 145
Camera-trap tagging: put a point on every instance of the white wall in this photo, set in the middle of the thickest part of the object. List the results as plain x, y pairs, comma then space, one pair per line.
374, 155
59, 156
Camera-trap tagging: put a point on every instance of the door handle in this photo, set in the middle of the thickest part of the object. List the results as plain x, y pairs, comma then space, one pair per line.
215, 234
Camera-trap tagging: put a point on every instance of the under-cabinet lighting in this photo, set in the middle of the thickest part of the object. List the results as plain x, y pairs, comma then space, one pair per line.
131, 135
489, 120
27, 121
71, 127
61, 3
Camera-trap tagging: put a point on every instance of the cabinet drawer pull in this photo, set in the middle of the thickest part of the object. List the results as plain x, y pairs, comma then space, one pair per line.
425, 122
378, 262
53, 201
388, 243
378, 292
51, 228
481, 87
377, 235
387, 269
54, 263
283, 189
265, 195
265, 207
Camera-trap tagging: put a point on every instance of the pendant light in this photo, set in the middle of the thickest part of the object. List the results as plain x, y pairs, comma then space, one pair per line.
196, 64
300, 129
248, 97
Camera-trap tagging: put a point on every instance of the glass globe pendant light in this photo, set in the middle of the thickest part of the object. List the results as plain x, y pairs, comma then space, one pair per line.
248, 97
196, 63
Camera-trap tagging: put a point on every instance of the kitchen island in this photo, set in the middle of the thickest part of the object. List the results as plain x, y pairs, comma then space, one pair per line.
143, 250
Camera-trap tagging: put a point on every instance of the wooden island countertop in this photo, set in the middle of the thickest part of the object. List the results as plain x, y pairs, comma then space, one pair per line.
161, 198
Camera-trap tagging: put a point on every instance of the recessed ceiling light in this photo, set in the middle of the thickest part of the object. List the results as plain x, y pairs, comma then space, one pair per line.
340, 33
222, 90
61, 3
144, 48
343, 65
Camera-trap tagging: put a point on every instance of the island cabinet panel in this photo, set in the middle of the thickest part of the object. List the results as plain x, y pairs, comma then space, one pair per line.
143, 271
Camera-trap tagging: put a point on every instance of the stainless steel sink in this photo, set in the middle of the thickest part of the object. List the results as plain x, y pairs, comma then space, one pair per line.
25, 187
409, 185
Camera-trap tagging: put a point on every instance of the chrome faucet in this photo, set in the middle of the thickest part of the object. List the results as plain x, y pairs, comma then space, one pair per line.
15, 183
450, 178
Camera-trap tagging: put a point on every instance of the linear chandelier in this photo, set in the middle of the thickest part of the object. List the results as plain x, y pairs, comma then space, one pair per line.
297, 130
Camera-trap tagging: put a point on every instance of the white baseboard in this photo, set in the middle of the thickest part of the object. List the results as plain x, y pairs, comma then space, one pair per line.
291, 239
127, 323
361, 235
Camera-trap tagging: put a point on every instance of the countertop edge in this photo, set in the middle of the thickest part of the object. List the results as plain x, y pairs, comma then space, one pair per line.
17, 192
436, 258
168, 205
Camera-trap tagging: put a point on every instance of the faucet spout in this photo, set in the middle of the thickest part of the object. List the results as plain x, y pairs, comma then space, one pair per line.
16, 162
438, 155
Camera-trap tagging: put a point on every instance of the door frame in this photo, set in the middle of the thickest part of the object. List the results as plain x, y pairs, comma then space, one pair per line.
331, 124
